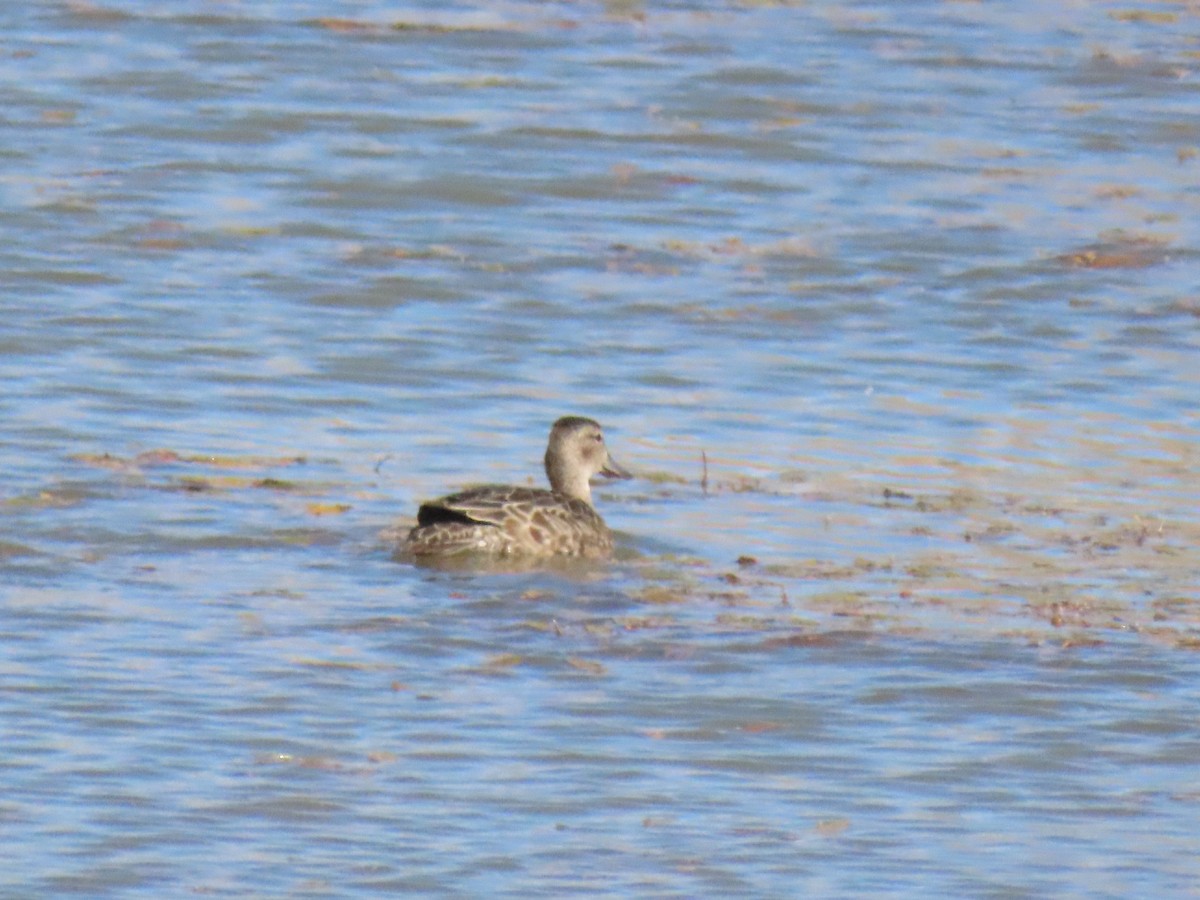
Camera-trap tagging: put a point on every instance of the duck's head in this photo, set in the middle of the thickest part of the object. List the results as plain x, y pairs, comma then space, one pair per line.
576, 453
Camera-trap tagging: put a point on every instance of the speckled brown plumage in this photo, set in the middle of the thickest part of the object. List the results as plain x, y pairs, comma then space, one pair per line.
498, 520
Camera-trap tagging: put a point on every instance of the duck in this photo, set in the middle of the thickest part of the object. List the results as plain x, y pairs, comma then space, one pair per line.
508, 521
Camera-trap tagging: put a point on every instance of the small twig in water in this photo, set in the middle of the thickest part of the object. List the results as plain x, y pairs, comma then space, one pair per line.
379, 464
704, 476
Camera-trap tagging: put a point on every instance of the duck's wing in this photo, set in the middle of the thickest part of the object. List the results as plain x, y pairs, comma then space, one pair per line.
490, 504
515, 520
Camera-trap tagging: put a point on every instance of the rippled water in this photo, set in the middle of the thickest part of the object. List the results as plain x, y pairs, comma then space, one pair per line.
893, 308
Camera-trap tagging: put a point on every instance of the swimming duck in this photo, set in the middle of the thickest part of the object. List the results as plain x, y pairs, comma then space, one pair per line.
501, 520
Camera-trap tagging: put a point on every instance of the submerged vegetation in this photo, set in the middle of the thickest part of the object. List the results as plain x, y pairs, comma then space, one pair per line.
1036, 566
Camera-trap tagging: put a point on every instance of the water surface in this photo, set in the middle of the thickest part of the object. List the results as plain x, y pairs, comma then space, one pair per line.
892, 307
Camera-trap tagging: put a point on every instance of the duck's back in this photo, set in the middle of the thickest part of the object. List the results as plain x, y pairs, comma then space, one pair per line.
501, 520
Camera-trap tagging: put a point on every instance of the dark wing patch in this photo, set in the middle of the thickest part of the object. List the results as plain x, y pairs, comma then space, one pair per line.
435, 513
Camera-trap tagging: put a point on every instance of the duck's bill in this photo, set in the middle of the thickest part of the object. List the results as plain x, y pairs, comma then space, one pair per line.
613, 470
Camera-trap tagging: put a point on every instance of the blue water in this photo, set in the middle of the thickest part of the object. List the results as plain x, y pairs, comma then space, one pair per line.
892, 307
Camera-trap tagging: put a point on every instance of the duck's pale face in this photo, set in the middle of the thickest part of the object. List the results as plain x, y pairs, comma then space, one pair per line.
575, 455
587, 446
